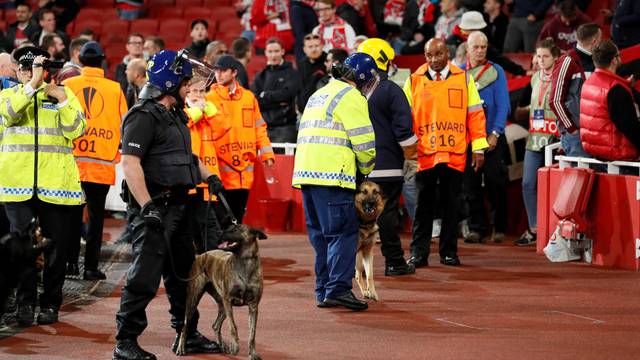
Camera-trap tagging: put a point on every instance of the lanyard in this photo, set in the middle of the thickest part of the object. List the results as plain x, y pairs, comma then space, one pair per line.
486, 66
543, 88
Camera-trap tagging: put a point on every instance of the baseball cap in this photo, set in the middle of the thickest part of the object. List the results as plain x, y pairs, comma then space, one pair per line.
226, 62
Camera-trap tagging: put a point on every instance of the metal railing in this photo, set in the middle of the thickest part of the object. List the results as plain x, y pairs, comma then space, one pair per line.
613, 167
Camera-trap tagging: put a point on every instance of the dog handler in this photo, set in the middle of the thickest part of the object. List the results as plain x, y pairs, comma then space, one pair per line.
160, 168
335, 140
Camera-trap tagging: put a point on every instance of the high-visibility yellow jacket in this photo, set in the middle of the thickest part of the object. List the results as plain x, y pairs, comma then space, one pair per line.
335, 136
37, 155
104, 106
447, 116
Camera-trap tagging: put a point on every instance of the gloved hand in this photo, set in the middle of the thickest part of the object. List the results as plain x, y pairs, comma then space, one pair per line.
152, 216
215, 184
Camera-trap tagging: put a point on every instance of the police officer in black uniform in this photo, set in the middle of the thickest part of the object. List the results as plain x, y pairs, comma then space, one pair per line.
159, 169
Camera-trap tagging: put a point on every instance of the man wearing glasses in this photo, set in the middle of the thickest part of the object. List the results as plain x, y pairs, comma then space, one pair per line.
135, 50
334, 32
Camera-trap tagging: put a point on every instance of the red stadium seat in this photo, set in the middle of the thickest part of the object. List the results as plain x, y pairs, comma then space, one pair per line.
156, 3
225, 13
90, 13
10, 15
174, 28
87, 23
144, 26
188, 3
216, 3
3, 25
167, 12
70, 27
102, 4
198, 12
176, 44
522, 59
116, 26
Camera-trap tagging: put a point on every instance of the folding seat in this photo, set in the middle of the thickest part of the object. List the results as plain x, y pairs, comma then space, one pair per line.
103, 4
3, 25
155, 3
87, 23
10, 15
522, 59
174, 28
162, 13
91, 13
144, 26
224, 13
185, 4
116, 26
216, 3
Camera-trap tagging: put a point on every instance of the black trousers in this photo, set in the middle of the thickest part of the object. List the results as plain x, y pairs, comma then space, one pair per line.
152, 253
237, 200
496, 179
449, 182
204, 223
96, 196
54, 222
389, 221
4, 222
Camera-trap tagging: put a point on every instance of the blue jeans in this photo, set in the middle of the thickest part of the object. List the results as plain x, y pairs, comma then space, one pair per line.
533, 160
332, 226
572, 145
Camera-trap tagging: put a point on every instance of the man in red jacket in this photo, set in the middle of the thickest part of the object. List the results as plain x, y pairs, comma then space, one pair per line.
610, 129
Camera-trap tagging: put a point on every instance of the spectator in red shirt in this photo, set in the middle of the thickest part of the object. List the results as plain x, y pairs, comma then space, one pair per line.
562, 27
21, 30
271, 18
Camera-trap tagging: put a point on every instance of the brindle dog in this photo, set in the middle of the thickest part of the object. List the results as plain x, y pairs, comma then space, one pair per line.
17, 253
369, 204
236, 275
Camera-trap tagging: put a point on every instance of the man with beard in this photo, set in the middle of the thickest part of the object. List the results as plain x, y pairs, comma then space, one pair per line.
22, 29
199, 35
312, 68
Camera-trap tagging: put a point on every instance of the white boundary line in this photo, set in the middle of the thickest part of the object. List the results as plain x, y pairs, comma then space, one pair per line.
594, 321
444, 320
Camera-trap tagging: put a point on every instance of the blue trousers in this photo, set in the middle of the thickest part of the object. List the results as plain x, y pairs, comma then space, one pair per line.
572, 145
332, 226
533, 160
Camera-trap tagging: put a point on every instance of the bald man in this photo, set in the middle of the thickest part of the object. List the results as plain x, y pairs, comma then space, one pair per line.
8, 77
447, 115
214, 50
491, 83
136, 78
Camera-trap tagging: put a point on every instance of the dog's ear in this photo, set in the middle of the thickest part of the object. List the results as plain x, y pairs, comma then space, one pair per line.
258, 233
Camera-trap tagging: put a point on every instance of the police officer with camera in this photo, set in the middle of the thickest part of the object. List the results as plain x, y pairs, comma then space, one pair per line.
159, 169
39, 177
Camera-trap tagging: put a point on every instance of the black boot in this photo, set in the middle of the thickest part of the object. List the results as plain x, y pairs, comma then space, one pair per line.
128, 349
197, 344
25, 315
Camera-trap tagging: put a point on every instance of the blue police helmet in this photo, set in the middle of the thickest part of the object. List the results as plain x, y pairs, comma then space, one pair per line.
364, 67
166, 71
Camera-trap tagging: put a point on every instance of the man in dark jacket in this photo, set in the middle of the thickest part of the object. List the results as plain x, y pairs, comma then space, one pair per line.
569, 73
47, 22
275, 88
21, 30
525, 25
312, 68
199, 35
392, 122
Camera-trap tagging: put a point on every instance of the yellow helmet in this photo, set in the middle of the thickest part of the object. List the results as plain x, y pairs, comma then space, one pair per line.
379, 50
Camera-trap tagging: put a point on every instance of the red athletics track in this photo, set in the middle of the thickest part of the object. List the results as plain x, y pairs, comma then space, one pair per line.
504, 303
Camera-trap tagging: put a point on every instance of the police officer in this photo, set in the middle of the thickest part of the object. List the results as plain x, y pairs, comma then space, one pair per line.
7, 79
335, 140
39, 176
159, 169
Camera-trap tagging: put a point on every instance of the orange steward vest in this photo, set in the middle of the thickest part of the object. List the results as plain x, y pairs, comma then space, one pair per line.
447, 116
244, 139
104, 105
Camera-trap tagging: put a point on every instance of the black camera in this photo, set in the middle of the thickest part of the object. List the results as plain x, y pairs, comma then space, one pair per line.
52, 64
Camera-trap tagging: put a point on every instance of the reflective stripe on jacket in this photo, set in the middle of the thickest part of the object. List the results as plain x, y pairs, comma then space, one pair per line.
58, 180
244, 140
104, 106
447, 116
335, 136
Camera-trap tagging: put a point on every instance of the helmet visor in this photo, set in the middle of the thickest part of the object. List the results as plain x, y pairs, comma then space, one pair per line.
200, 70
368, 87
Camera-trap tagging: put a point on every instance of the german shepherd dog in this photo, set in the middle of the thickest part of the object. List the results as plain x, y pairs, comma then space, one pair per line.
236, 274
17, 251
369, 205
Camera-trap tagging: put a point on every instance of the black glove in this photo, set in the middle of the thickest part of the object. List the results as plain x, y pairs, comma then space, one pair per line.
152, 216
215, 185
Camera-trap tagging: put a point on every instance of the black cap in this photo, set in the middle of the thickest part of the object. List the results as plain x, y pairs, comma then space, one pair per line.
25, 55
91, 50
226, 62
